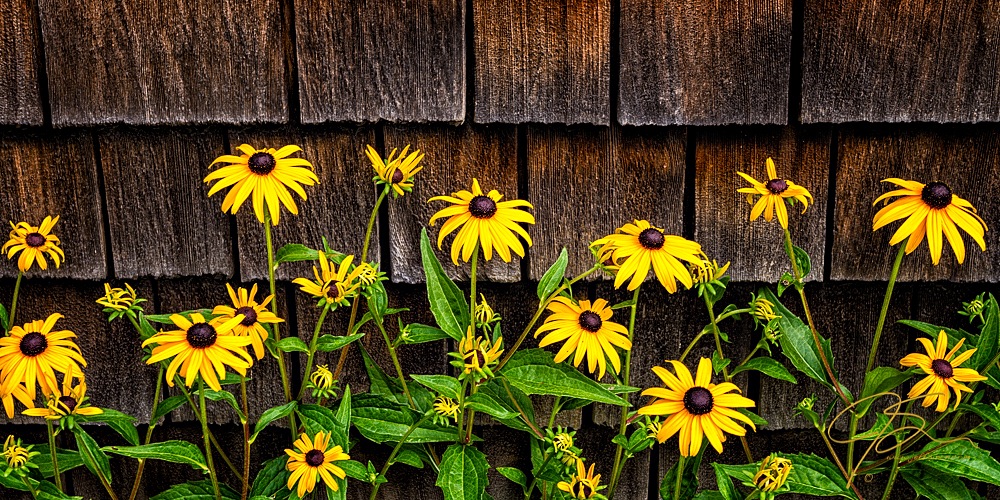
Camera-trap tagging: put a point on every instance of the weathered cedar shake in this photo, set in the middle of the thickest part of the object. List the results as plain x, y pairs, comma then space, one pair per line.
21, 103
505, 447
722, 216
381, 60
162, 222
55, 173
700, 62
966, 158
587, 181
454, 156
545, 61
160, 61
896, 61
338, 207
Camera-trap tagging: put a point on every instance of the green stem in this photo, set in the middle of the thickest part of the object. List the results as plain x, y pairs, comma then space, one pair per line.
461, 411
623, 424
472, 418
285, 384
149, 434
312, 349
524, 416
388, 462
534, 480
555, 410
27, 482
680, 475
52, 451
691, 345
750, 356
725, 369
734, 312
246, 438
13, 301
211, 436
208, 444
89, 457
472, 288
395, 363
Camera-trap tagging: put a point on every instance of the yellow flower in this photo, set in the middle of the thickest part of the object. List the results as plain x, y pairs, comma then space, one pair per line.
773, 194
653, 426
267, 174
35, 352
772, 474
18, 392
70, 401
333, 286
485, 315
696, 407
16, 455
200, 347
322, 378
586, 330
562, 441
478, 355
368, 275
636, 247
707, 271
118, 299
254, 316
762, 310
34, 242
933, 210
396, 171
486, 222
942, 371
584, 484
313, 459
445, 408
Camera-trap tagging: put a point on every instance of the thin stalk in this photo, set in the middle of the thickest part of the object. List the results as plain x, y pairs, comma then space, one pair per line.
734, 312
388, 462
31, 489
534, 481
149, 434
524, 416
623, 425
208, 444
836, 460
52, 451
285, 384
13, 302
556, 406
472, 419
472, 288
461, 410
211, 436
680, 474
312, 348
395, 363
246, 439
725, 369
691, 345
894, 470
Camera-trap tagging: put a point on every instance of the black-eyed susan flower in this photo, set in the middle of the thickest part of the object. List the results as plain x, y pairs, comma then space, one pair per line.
17, 456
485, 222
639, 246
34, 352
942, 370
933, 210
773, 195
71, 400
333, 285
34, 243
200, 347
118, 299
587, 331
266, 175
16, 392
396, 171
772, 474
762, 309
707, 271
485, 315
584, 484
697, 408
312, 460
255, 316
477, 355
445, 410
322, 382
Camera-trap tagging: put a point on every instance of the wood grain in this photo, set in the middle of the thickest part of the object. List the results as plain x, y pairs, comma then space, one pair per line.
700, 62
966, 158
381, 60
162, 222
338, 207
544, 61
19, 64
55, 173
454, 156
586, 181
722, 216
898, 61
158, 61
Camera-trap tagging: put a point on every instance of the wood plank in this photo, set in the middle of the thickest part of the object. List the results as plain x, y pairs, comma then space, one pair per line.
42, 185
722, 216
381, 60
19, 64
898, 61
505, 447
966, 158
699, 62
162, 221
338, 207
584, 182
165, 62
545, 61
454, 155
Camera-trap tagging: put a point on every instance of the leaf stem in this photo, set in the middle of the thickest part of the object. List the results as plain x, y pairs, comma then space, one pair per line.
623, 425
149, 433
208, 445
680, 475
388, 462
27, 482
534, 480
312, 349
246, 438
395, 363
285, 384
725, 369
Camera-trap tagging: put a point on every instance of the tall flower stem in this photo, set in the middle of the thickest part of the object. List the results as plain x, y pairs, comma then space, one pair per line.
725, 369
399, 445
623, 425
52, 452
395, 363
149, 434
680, 474
472, 288
246, 438
312, 348
31, 489
13, 301
285, 384
208, 444
534, 481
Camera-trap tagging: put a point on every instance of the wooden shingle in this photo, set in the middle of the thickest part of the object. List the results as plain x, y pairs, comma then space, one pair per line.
894, 61
20, 95
544, 61
160, 61
381, 60
701, 62
162, 221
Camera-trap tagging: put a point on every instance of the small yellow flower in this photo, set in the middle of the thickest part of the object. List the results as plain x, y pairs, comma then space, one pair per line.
445, 409
762, 310
477, 355
584, 484
486, 223
312, 460
707, 271
34, 243
485, 315
255, 315
332, 285
942, 371
70, 401
368, 275
322, 377
639, 246
118, 299
396, 171
562, 441
653, 426
772, 474
16, 455
773, 194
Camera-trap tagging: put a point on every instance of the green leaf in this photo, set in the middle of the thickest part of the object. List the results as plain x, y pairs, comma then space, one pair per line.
354, 469
877, 381
989, 337
933, 330
534, 371
462, 475
448, 303
933, 485
961, 458
93, 457
271, 480
493, 399
343, 415
294, 252
270, 415
418, 334
710, 495
317, 418
123, 424
727, 490
226, 397
196, 490
441, 384
382, 420
515, 475
802, 260
178, 452
689, 478
768, 367
327, 343
166, 406
755, 418
810, 475
553, 276
4, 318
409, 457
45, 489
292, 344
379, 383
68, 460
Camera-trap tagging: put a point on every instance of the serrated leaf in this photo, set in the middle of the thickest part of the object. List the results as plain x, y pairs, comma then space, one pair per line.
226, 397
462, 475
928, 483
442, 384
166, 406
768, 367
271, 480
294, 252
877, 381
292, 344
553, 276
93, 457
196, 490
379, 383
961, 458
492, 398
989, 336
317, 418
123, 424
270, 415
382, 420
515, 475
447, 302
802, 260
409, 457
68, 460
343, 415
727, 490
178, 452
327, 343
419, 333
534, 371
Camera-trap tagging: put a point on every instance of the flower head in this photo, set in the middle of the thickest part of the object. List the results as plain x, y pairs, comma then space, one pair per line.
696, 407
267, 174
312, 460
773, 194
586, 329
199, 347
762, 310
445, 410
322, 381
34, 243
16, 455
368, 275
477, 355
653, 426
117, 300
255, 315
584, 484
396, 171
708, 271
333, 286
974, 309
485, 316
772, 474
485, 221
35, 352
942, 371
930, 209
71, 400
638, 246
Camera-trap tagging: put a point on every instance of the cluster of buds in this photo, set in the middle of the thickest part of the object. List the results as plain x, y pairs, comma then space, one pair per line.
477, 356
762, 311
559, 444
772, 475
321, 383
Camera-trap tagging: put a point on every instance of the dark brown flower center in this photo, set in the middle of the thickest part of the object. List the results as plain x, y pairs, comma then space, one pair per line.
397, 176
249, 315
480, 358
34, 240
33, 344
936, 195
942, 368
69, 402
261, 163
583, 490
776, 186
651, 238
590, 321
332, 290
201, 335
482, 207
314, 458
698, 401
